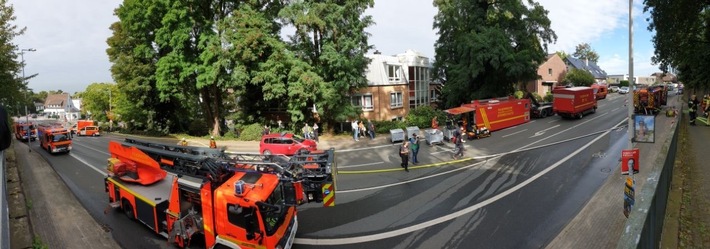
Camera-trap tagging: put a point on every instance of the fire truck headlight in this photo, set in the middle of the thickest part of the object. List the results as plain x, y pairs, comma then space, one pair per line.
69, 147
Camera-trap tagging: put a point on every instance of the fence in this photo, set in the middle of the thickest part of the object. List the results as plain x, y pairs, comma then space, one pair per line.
645, 224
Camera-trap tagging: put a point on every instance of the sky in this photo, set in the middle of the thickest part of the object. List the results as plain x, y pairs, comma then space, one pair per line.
70, 35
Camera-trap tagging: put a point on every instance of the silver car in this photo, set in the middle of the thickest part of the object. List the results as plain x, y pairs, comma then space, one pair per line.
624, 90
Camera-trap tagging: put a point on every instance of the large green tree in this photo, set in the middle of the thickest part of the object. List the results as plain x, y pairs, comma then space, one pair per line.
330, 37
584, 51
487, 47
95, 101
579, 77
13, 88
682, 38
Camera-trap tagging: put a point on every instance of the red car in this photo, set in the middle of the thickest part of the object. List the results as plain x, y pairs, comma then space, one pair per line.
285, 144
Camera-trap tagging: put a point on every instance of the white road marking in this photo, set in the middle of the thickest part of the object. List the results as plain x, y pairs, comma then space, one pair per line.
540, 133
555, 120
366, 148
423, 225
359, 165
87, 164
408, 181
514, 133
88, 147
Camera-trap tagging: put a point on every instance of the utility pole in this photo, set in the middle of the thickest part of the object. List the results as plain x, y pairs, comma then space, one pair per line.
632, 82
27, 114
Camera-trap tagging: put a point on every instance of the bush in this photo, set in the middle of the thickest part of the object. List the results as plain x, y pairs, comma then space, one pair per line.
386, 126
422, 116
251, 132
549, 97
519, 94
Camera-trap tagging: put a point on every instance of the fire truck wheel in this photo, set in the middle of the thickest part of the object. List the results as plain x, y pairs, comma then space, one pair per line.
128, 209
266, 152
543, 114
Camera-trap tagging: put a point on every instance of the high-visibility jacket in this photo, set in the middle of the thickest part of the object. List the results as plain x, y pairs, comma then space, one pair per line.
213, 144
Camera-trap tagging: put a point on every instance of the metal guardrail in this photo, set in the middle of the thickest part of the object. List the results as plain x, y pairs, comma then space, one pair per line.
4, 211
645, 223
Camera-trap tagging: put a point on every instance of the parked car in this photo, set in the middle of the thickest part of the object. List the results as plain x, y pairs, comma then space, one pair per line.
285, 144
613, 89
624, 90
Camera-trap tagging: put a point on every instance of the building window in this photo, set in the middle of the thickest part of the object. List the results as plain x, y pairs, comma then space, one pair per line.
394, 72
363, 101
433, 95
396, 100
549, 71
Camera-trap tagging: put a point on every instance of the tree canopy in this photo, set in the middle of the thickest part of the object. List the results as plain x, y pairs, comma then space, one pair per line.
14, 92
579, 77
485, 48
584, 51
178, 62
682, 38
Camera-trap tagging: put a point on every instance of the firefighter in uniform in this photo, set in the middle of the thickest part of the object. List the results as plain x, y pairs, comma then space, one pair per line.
183, 142
706, 104
213, 144
693, 108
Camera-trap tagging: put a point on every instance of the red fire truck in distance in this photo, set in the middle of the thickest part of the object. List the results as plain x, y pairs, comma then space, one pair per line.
223, 200
21, 129
480, 117
574, 101
54, 138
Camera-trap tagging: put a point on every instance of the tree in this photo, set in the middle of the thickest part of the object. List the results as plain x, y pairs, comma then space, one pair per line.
486, 47
95, 100
562, 54
13, 87
681, 39
579, 77
330, 37
584, 51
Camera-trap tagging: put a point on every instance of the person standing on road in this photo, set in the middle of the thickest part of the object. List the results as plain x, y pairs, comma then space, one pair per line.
404, 154
183, 142
306, 131
371, 129
356, 130
361, 127
213, 144
315, 131
414, 146
434, 123
458, 142
693, 108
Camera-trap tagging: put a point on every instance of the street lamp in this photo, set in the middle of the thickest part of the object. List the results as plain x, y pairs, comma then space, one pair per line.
110, 112
27, 114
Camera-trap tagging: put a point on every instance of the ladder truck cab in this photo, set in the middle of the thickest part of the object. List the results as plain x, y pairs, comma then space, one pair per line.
54, 138
215, 199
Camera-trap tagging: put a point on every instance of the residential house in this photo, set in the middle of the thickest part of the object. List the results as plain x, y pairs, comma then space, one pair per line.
600, 75
616, 78
39, 107
551, 73
396, 84
646, 80
665, 77
62, 106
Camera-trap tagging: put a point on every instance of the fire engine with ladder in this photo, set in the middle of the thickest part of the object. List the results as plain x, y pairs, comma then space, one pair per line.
196, 196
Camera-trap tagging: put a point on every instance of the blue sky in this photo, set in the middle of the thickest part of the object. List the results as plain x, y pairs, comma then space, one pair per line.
70, 35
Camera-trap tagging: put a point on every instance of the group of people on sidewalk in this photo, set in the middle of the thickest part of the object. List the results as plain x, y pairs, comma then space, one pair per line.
410, 147
362, 130
694, 105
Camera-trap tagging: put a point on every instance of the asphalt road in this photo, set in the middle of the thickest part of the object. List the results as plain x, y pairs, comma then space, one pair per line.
521, 198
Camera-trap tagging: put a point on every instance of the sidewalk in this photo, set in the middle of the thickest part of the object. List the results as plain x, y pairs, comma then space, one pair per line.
44, 209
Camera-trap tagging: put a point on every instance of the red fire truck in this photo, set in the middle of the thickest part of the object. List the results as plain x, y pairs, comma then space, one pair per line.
222, 200
54, 138
574, 101
480, 117
21, 129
